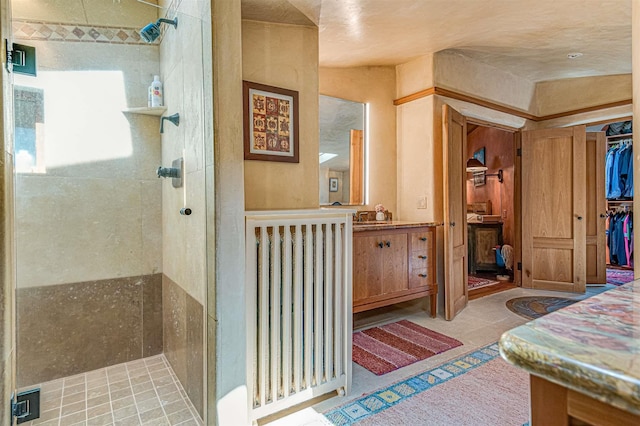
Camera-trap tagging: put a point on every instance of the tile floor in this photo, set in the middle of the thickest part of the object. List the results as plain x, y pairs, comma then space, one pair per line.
482, 322
141, 392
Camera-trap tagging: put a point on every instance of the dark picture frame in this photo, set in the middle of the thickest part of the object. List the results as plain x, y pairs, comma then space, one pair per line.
333, 184
270, 123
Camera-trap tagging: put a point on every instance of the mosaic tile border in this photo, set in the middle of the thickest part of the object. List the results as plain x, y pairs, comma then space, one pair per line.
56, 31
385, 398
60, 31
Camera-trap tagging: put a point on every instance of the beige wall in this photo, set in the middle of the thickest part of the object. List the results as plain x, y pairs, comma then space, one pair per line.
227, 324
284, 56
558, 96
419, 162
415, 75
374, 86
457, 72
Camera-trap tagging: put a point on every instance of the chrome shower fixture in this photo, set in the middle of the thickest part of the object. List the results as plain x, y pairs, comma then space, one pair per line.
175, 119
152, 31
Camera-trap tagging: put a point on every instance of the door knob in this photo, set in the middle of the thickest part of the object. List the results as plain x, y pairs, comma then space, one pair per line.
579, 217
381, 244
388, 243
423, 238
602, 215
422, 257
452, 223
422, 275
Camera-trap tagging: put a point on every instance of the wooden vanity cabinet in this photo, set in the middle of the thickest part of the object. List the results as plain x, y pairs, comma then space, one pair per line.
392, 266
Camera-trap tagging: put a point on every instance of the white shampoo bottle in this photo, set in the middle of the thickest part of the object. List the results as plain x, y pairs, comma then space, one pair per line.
156, 92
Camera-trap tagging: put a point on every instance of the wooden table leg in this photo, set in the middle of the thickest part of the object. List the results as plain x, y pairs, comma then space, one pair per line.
548, 403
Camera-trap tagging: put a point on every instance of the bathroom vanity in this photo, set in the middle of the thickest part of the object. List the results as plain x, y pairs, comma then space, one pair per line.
393, 262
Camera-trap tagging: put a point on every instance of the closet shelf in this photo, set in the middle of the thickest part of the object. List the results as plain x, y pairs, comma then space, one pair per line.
616, 137
157, 111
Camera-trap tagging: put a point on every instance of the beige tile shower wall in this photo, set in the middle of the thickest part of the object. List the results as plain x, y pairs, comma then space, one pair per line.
183, 336
96, 12
284, 56
96, 212
375, 86
181, 71
185, 259
74, 328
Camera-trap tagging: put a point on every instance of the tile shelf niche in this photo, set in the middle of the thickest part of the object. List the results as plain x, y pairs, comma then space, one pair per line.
157, 111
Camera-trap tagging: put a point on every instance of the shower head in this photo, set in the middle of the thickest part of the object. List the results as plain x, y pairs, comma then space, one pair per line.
151, 31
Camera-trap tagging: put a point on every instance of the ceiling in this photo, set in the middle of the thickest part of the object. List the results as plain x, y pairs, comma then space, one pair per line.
529, 38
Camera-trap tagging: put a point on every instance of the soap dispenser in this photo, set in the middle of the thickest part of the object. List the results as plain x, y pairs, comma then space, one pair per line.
156, 92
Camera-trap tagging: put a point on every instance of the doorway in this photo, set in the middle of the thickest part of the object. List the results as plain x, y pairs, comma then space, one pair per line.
490, 206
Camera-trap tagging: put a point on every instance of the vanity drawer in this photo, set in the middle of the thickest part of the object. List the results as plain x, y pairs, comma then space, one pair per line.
419, 259
421, 241
419, 277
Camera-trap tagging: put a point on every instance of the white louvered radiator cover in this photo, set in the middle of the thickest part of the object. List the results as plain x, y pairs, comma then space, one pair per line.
298, 272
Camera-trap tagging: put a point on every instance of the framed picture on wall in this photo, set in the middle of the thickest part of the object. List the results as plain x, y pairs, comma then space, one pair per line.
270, 123
479, 179
333, 184
479, 155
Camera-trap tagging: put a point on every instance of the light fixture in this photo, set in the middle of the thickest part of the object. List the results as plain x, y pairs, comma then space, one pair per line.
499, 174
474, 165
326, 156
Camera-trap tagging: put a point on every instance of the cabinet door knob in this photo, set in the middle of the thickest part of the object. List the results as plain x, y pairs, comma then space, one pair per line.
452, 223
422, 275
579, 217
602, 215
422, 257
388, 244
423, 238
381, 244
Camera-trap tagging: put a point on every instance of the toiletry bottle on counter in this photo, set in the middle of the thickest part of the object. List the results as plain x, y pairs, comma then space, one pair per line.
156, 92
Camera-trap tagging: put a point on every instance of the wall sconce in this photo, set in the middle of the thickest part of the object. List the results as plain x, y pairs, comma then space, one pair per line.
499, 174
474, 165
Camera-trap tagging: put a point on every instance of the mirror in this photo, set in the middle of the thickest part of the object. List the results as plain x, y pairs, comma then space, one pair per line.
342, 151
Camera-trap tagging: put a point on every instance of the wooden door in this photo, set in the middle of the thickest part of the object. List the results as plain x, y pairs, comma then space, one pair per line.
454, 136
356, 167
554, 209
595, 217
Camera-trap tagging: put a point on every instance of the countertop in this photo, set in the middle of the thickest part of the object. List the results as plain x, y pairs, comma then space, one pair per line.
592, 347
380, 225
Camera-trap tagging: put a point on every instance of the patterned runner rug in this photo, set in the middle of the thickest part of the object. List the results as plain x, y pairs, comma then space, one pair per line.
476, 282
619, 276
487, 390
389, 347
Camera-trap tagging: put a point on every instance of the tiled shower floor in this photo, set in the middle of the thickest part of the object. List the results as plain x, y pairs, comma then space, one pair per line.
141, 392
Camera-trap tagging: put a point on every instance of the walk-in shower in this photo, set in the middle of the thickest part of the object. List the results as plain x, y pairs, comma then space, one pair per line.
111, 269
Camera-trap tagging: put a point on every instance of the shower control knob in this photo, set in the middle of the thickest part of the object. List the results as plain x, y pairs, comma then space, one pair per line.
185, 211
